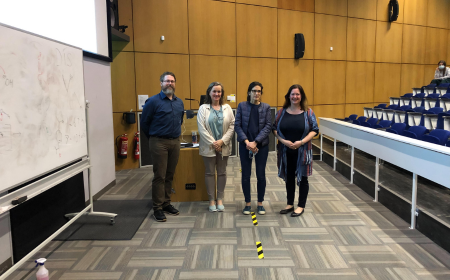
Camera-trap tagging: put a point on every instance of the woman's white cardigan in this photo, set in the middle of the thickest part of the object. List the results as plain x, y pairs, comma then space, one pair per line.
206, 135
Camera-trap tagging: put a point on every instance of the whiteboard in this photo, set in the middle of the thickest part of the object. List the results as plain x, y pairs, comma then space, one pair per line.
42, 106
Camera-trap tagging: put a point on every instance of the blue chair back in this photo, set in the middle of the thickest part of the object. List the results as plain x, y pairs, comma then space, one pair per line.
381, 106
393, 106
397, 128
407, 95
383, 124
419, 109
440, 134
370, 122
415, 132
405, 108
435, 110
440, 120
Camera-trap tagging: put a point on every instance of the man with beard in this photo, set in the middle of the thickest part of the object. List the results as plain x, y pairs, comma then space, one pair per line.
161, 121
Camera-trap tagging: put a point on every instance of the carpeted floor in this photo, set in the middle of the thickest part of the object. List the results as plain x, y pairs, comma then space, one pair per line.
342, 235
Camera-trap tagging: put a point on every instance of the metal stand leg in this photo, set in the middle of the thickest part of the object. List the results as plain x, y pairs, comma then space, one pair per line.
377, 175
352, 167
414, 202
334, 159
321, 146
91, 199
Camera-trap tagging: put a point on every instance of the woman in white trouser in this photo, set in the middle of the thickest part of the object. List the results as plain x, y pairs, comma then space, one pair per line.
216, 127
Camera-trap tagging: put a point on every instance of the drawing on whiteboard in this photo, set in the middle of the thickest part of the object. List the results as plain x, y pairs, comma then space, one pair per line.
42, 106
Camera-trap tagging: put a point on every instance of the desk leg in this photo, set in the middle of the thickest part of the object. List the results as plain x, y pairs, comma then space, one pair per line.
414, 202
334, 159
321, 146
352, 167
377, 176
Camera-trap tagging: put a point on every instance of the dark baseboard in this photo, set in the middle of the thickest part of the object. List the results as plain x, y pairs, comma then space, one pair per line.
5, 266
431, 227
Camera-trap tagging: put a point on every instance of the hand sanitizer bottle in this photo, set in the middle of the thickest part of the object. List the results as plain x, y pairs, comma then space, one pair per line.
42, 273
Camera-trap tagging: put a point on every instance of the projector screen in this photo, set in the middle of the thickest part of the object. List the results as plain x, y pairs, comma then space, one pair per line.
81, 23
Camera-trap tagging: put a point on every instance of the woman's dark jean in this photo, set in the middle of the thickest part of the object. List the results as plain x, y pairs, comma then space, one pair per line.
246, 166
291, 181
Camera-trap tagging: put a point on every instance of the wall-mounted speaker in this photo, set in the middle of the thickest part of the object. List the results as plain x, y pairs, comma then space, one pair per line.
393, 10
299, 45
114, 14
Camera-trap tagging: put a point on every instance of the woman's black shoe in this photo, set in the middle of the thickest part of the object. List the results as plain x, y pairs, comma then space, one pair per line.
285, 211
293, 214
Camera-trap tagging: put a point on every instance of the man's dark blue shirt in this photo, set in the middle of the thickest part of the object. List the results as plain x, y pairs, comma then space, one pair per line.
162, 117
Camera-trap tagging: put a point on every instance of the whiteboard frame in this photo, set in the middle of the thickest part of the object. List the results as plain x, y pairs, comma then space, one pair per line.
46, 173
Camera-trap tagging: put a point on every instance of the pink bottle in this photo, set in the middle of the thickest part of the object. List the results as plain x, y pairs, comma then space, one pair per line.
42, 273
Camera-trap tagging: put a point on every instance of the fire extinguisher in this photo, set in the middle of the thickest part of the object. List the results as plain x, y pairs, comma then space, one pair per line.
136, 145
122, 146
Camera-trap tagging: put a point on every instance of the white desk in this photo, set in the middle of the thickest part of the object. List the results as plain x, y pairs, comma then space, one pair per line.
428, 160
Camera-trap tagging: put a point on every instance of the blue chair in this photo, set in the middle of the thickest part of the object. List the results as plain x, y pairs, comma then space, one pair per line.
407, 95
393, 107
419, 109
415, 132
446, 96
370, 122
381, 106
351, 117
434, 110
433, 95
437, 136
397, 128
383, 124
420, 95
360, 120
405, 108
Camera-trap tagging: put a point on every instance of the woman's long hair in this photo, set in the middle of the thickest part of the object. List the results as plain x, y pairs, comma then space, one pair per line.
303, 102
208, 91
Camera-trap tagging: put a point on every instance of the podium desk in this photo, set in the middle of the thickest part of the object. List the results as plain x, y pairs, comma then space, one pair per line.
190, 172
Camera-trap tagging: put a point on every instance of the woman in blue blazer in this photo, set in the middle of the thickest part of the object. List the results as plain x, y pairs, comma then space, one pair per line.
252, 125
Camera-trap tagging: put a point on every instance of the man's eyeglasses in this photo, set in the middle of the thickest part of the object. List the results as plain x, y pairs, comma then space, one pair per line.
169, 82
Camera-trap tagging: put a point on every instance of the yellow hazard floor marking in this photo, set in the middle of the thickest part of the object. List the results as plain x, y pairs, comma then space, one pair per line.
260, 250
255, 222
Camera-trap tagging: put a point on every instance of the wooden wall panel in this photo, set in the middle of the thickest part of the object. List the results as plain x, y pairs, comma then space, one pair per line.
361, 39
122, 82
357, 108
332, 7
207, 69
150, 66
383, 10
388, 42
295, 71
414, 45
153, 19
329, 111
267, 3
126, 18
120, 127
436, 45
289, 23
438, 13
387, 81
329, 82
412, 77
360, 78
256, 31
263, 70
448, 49
298, 5
330, 31
415, 12
428, 73
366, 9
207, 34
